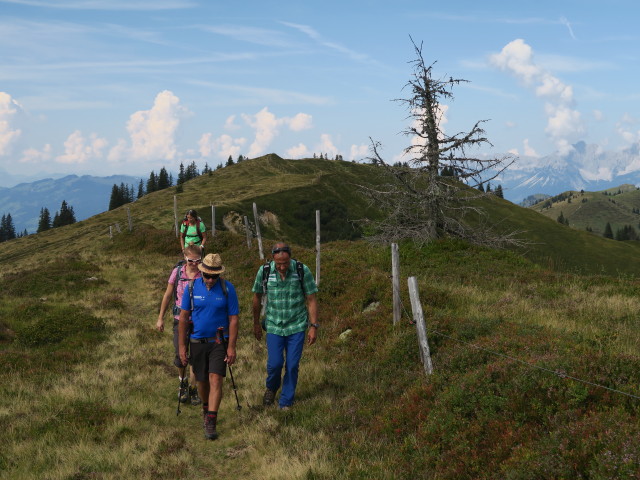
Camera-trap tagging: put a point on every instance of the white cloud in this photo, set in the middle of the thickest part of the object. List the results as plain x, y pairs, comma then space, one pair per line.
598, 115
153, 131
326, 146
564, 123
33, 155
358, 152
230, 124
267, 126
79, 150
513, 151
299, 151
301, 121
8, 133
221, 147
528, 149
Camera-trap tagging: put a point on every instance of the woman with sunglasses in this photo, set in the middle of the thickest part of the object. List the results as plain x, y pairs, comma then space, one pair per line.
181, 275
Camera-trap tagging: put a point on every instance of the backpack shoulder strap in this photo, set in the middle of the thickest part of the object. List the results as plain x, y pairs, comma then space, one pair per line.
175, 286
191, 292
223, 285
300, 271
266, 271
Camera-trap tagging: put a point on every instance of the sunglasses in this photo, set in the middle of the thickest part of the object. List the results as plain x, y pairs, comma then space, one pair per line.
281, 249
210, 276
194, 260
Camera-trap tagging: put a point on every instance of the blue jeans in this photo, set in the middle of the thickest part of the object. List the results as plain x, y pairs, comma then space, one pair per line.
284, 352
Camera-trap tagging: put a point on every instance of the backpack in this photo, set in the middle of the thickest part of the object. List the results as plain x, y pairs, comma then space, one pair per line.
266, 271
176, 308
185, 222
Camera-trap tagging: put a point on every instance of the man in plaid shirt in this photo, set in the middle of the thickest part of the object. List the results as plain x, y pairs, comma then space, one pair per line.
291, 307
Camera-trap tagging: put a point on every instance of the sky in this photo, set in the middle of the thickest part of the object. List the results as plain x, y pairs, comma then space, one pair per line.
106, 87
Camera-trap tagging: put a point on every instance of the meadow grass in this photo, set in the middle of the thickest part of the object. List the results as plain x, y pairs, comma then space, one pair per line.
98, 398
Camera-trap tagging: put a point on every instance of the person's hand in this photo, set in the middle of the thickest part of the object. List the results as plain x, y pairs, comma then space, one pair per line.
160, 324
312, 335
257, 330
231, 356
183, 356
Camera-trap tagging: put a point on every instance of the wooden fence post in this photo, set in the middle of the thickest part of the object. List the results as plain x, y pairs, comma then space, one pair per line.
175, 215
418, 317
395, 282
213, 220
257, 219
317, 247
110, 231
118, 228
129, 220
248, 231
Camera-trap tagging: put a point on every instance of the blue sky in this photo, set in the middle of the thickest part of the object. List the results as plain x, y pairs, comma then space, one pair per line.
128, 86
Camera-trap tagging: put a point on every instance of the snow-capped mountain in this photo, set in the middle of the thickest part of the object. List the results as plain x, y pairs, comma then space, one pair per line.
585, 167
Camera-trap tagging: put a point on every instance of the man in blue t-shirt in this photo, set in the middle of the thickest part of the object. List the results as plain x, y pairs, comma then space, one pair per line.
213, 305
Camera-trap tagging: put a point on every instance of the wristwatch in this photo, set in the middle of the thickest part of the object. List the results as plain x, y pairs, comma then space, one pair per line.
317, 325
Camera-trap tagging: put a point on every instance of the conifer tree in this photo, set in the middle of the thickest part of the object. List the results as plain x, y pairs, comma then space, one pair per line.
163, 179
152, 183
65, 216
140, 190
44, 222
608, 233
499, 192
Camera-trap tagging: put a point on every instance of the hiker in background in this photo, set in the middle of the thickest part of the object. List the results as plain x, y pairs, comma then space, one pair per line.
185, 271
192, 231
212, 303
291, 307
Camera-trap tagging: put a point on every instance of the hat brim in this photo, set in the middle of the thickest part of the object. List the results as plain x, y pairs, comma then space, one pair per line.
211, 270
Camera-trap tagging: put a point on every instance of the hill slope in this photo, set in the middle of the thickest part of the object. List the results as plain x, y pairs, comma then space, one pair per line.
87, 389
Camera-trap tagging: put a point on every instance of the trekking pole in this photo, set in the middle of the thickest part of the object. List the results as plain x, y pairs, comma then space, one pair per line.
233, 382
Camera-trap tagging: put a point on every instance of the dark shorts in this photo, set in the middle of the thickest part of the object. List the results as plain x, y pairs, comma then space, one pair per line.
208, 358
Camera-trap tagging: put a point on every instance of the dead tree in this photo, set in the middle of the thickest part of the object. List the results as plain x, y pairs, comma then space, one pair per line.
436, 193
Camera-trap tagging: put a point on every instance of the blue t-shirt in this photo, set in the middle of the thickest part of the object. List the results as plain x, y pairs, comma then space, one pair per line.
211, 309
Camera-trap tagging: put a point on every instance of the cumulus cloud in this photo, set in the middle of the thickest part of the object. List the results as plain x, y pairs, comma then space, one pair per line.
564, 123
627, 128
230, 124
77, 149
267, 127
358, 152
33, 155
326, 146
298, 151
152, 132
221, 147
598, 116
8, 133
528, 149
301, 121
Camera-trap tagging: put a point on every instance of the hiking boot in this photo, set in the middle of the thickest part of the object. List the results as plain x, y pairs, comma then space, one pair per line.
195, 398
210, 427
183, 392
269, 398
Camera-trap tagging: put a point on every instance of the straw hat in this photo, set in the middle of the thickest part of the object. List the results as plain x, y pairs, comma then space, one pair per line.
212, 264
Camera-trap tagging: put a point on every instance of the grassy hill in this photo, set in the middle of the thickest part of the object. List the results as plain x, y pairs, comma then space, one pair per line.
593, 210
88, 391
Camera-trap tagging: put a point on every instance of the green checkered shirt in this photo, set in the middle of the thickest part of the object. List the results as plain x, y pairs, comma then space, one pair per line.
286, 308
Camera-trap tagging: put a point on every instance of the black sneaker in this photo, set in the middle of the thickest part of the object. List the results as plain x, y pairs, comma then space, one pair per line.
210, 427
269, 398
193, 395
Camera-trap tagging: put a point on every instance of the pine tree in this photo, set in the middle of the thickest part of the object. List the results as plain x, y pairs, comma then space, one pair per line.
140, 189
498, 192
65, 216
7, 229
152, 183
608, 233
229, 161
44, 223
181, 175
163, 179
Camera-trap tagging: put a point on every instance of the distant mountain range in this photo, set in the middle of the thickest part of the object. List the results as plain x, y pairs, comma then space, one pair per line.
586, 167
88, 195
